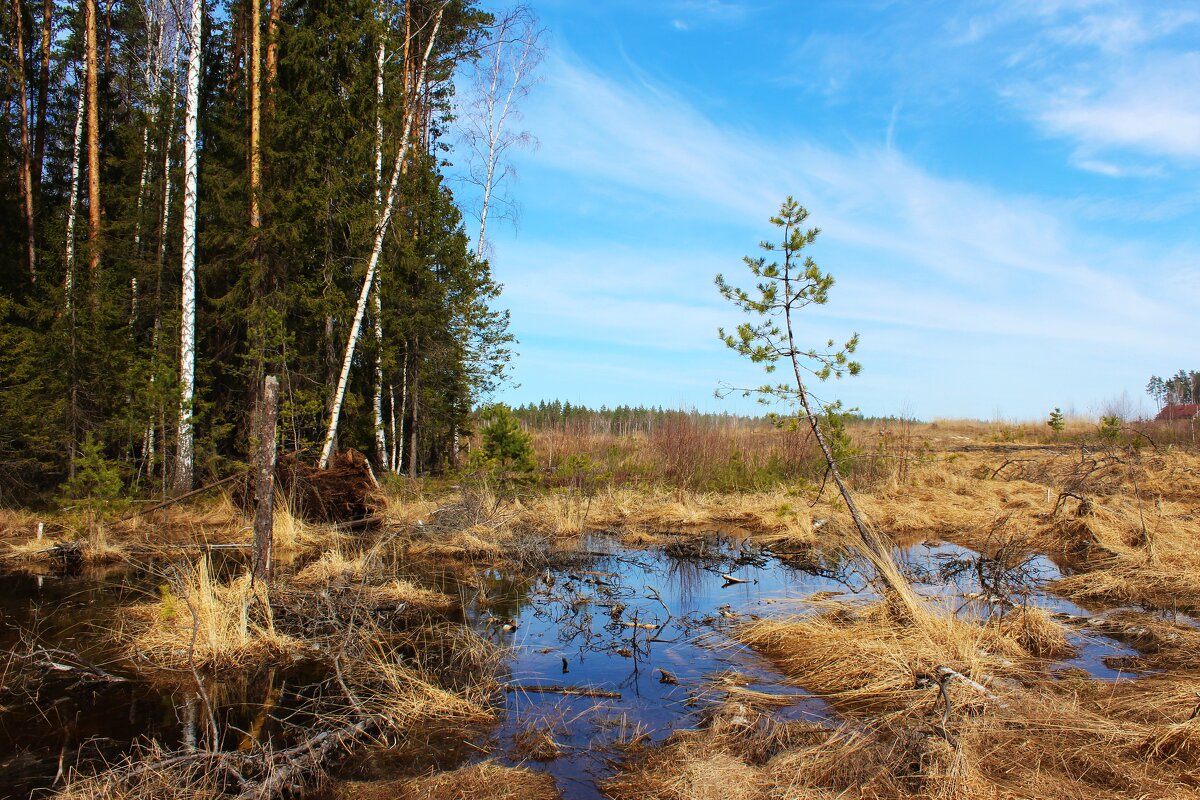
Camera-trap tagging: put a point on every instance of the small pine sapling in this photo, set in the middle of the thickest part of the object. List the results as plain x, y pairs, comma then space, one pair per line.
783, 288
507, 449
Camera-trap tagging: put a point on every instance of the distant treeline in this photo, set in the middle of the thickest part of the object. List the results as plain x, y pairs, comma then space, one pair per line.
623, 420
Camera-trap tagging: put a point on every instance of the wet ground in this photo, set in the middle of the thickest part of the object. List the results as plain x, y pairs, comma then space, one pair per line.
607, 648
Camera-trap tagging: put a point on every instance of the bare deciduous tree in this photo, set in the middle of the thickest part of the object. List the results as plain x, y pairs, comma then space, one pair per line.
502, 78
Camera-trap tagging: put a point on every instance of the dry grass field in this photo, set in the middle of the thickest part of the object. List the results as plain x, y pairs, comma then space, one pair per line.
928, 704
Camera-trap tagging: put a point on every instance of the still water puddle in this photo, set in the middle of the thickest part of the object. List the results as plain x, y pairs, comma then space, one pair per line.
607, 648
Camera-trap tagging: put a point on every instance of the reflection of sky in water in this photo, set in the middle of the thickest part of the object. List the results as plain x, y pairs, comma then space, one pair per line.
559, 613
570, 614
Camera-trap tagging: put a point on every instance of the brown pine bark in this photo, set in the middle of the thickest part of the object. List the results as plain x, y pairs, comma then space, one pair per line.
39, 145
93, 135
25, 178
255, 116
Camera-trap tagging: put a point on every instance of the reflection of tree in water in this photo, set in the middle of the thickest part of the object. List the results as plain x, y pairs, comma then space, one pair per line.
685, 579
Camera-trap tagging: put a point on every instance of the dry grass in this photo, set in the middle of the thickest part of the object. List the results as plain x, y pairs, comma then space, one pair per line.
1128, 530
870, 659
1036, 632
385, 685
136, 779
361, 575
1019, 735
484, 781
206, 623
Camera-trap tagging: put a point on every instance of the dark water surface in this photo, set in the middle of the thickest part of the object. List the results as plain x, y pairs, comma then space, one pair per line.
648, 626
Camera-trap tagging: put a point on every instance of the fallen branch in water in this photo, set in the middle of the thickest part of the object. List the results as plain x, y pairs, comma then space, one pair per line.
575, 691
58, 660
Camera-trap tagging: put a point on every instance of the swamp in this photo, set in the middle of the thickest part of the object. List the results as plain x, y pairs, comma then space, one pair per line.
594, 636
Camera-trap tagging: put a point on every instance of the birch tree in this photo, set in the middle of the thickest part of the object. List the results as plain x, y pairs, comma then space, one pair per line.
501, 79
187, 324
381, 447
73, 202
93, 135
381, 229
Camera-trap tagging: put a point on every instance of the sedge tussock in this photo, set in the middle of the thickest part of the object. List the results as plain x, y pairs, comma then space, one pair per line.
1177, 740
484, 781
536, 742
28, 549
387, 687
1125, 582
139, 776
291, 532
359, 574
1036, 632
17, 522
869, 658
201, 621
477, 542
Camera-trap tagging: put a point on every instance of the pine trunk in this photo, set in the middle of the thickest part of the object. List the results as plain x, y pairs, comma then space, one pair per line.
25, 177
416, 374
39, 145
272, 60
255, 116
187, 325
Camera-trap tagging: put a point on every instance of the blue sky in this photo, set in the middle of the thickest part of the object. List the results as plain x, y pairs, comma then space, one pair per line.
1009, 194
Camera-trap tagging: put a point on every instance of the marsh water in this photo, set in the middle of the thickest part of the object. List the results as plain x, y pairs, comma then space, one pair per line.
605, 647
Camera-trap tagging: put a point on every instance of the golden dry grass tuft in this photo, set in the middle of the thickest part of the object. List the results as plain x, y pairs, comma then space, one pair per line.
1036, 632
1020, 734
136, 778
202, 622
484, 781
870, 659
364, 578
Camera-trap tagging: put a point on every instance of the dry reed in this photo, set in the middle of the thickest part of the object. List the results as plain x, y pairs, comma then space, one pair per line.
201, 622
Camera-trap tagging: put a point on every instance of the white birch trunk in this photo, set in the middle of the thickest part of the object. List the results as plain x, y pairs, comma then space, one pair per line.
73, 204
187, 324
381, 448
141, 195
381, 230
162, 257
395, 436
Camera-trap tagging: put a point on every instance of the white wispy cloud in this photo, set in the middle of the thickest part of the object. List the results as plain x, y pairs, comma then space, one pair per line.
1152, 108
942, 262
1118, 79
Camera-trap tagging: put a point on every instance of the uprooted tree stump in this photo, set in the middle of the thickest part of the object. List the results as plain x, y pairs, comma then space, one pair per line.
342, 493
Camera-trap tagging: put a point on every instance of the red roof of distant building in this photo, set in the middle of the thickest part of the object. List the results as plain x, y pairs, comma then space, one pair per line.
1179, 411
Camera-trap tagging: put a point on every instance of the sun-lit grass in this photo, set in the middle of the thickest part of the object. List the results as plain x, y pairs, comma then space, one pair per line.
201, 621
